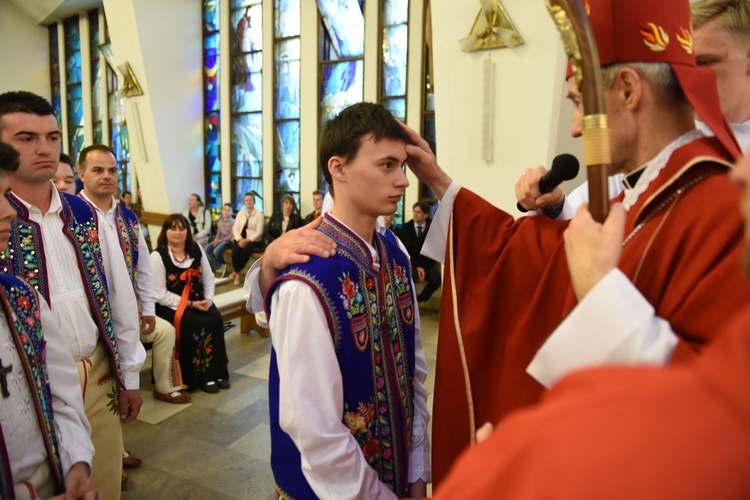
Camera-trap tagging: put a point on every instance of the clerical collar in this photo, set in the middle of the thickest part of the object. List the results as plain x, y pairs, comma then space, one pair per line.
631, 179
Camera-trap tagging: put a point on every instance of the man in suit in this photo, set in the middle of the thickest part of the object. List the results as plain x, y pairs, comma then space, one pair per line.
413, 234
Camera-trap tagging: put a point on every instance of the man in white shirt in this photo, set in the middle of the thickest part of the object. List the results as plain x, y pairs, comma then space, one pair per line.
346, 336
44, 432
72, 258
97, 169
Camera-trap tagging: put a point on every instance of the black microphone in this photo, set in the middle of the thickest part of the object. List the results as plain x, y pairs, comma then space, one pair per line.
564, 167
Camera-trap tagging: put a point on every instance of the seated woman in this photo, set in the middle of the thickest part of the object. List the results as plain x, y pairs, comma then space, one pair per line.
248, 235
283, 221
184, 283
199, 218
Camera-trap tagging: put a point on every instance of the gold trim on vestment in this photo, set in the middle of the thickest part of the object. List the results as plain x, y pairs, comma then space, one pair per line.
459, 334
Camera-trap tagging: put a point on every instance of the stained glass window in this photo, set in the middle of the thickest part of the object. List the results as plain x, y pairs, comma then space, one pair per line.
394, 29
96, 77
54, 72
75, 88
246, 22
342, 48
212, 104
286, 100
428, 104
118, 130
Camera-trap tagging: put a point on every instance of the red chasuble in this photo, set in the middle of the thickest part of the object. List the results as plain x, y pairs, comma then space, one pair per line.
677, 432
508, 287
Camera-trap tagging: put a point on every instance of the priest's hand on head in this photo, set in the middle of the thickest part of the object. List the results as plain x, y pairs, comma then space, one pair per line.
421, 160
593, 249
530, 197
294, 247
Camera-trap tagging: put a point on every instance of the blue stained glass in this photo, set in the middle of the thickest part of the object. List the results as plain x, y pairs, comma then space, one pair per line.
397, 107
243, 186
243, 3
114, 129
287, 79
395, 12
212, 142
94, 33
287, 149
398, 217
395, 42
211, 72
247, 86
96, 91
247, 29
214, 192
72, 50
54, 69
341, 86
287, 18
345, 26
210, 15
247, 144
125, 153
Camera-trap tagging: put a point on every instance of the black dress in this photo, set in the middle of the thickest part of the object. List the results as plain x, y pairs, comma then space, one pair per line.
202, 352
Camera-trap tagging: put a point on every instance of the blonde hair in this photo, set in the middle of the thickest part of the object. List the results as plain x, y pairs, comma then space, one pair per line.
731, 15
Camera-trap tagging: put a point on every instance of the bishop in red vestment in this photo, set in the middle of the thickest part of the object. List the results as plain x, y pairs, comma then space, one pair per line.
508, 286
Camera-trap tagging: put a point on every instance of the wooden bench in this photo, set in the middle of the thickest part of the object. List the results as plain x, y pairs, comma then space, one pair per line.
232, 305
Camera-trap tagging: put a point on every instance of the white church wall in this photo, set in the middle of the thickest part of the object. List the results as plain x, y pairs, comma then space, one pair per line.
24, 60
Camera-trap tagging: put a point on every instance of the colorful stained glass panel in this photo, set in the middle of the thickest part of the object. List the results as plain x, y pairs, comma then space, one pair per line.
395, 12
243, 186
287, 149
247, 144
211, 71
287, 79
212, 142
345, 26
247, 29
397, 107
394, 60
54, 70
340, 86
247, 83
210, 15
287, 18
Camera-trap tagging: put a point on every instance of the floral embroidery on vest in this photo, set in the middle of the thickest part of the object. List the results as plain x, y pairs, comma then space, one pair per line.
21, 308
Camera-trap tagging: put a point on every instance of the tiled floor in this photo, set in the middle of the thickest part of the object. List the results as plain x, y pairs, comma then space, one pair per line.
218, 446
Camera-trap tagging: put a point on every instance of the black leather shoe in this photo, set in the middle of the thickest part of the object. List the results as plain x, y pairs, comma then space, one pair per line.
210, 388
223, 384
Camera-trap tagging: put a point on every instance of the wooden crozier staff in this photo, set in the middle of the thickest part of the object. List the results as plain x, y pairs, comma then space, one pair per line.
572, 21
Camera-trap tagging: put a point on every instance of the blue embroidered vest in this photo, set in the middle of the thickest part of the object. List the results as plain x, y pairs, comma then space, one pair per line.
25, 259
127, 228
370, 315
21, 307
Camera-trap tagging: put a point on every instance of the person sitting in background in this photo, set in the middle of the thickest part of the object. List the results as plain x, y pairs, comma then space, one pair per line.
65, 179
283, 221
184, 283
413, 234
126, 200
248, 235
388, 222
199, 218
215, 249
317, 206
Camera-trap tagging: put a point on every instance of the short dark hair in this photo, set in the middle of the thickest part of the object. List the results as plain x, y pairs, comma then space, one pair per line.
343, 134
170, 222
66, 160
122, 195
423, 206
318, 191
21, 101
228, 205
83, 155
248, 194
8, 158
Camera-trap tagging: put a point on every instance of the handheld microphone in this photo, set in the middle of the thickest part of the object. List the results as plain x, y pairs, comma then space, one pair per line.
564, 167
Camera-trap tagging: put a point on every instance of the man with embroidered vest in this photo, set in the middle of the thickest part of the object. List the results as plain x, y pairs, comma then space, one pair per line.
658, 303
45, 446
347, 396
72, 258
97, 168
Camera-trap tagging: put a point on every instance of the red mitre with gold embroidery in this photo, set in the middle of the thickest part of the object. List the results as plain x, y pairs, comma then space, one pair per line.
660, 31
